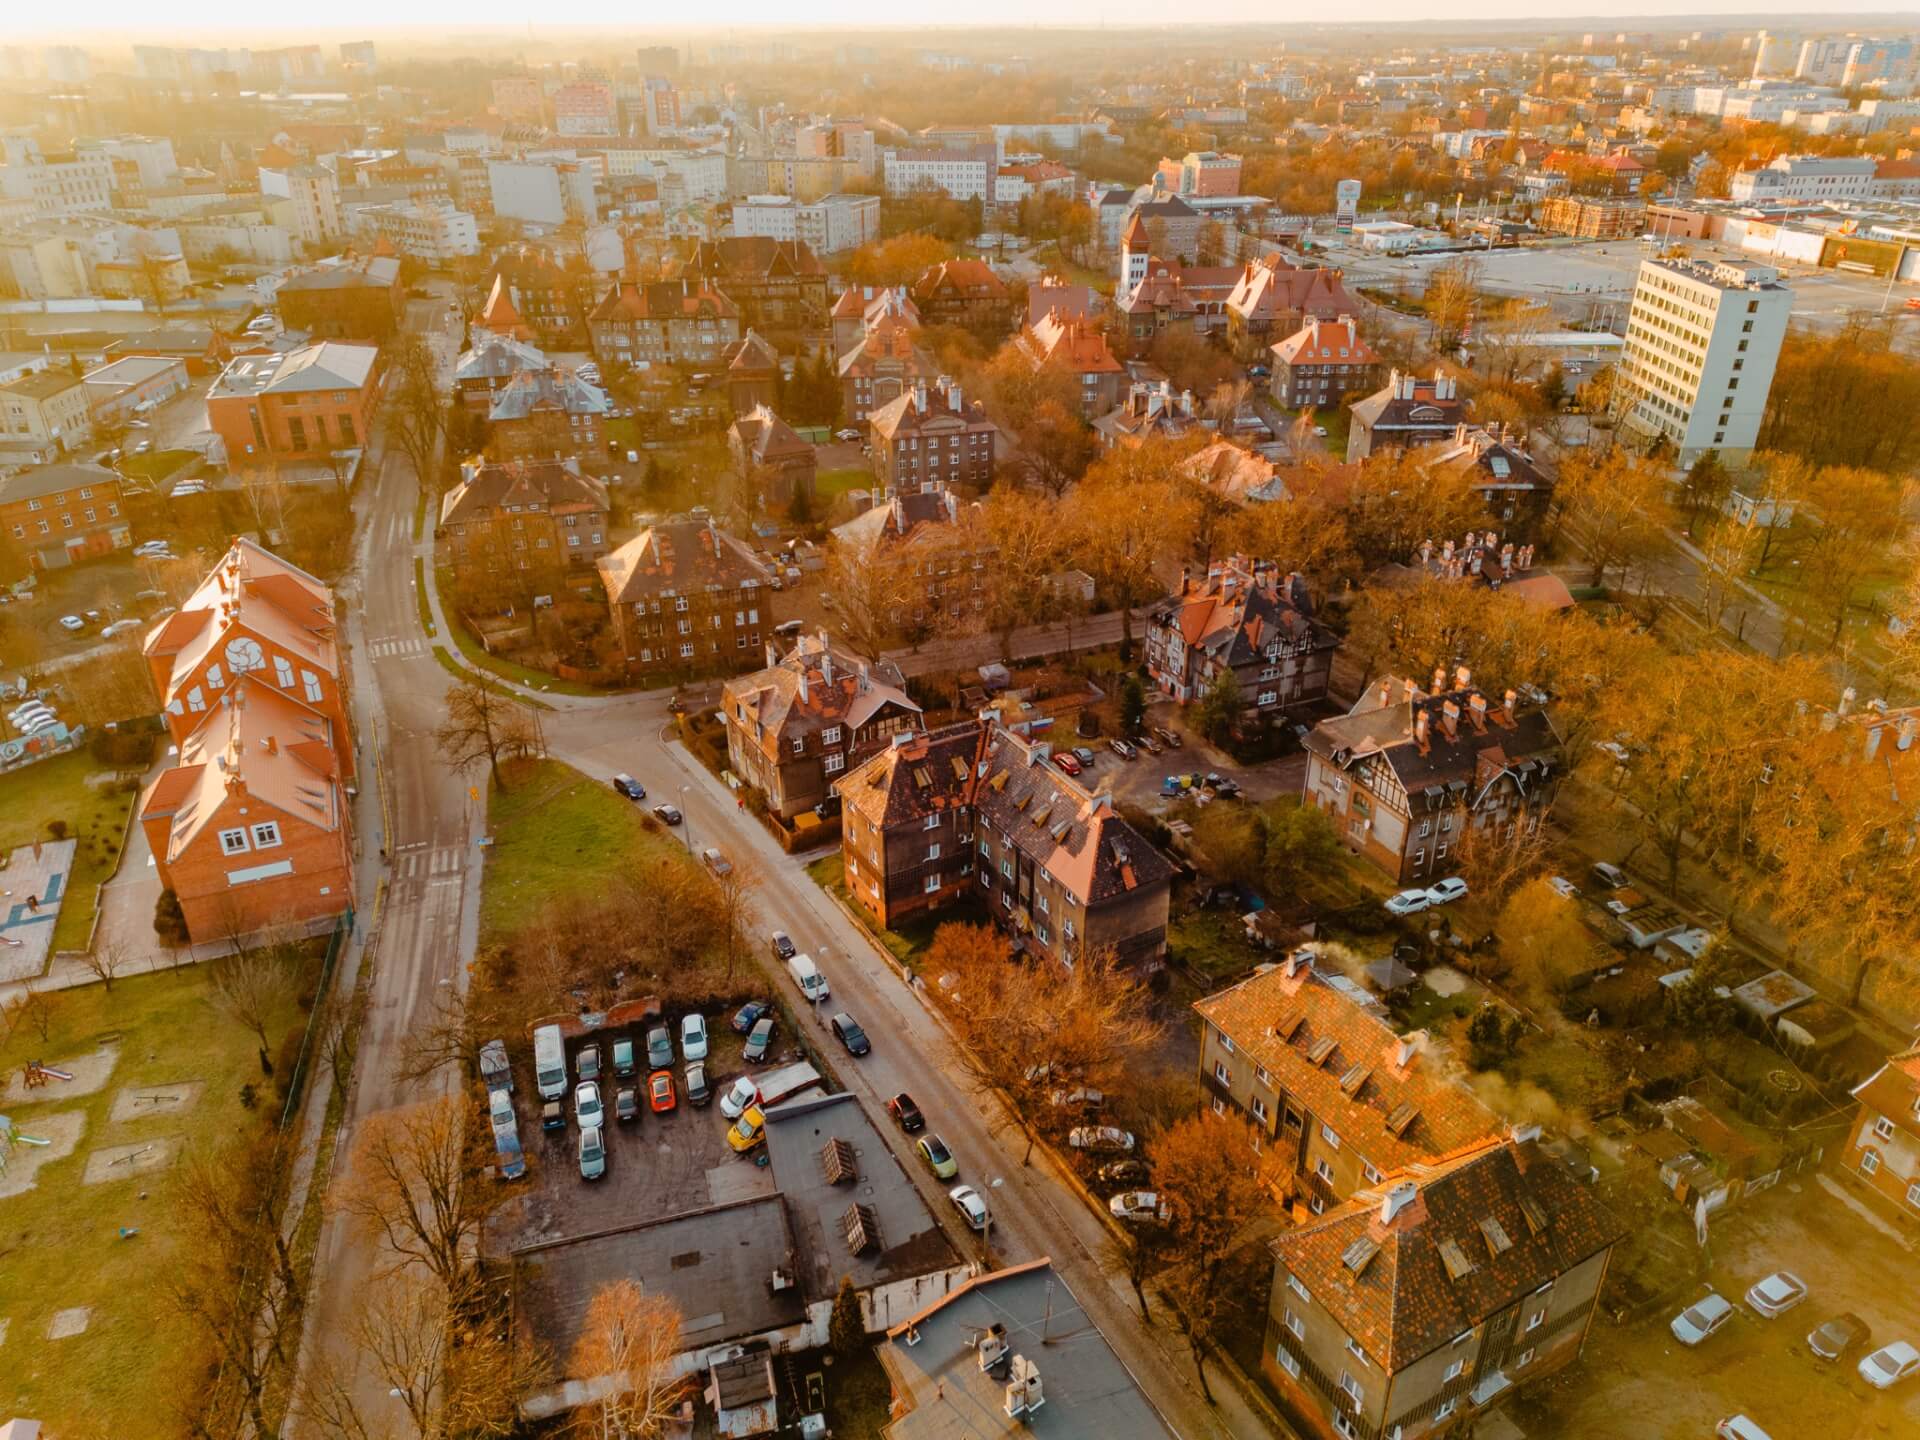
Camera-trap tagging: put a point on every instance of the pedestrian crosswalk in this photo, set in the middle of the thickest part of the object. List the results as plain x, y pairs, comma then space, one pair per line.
428, 862
405, 645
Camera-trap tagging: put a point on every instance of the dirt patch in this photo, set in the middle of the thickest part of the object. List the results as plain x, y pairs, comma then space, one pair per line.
63, 1131
140, 1102
90, 1073
1445, 981
123, 1162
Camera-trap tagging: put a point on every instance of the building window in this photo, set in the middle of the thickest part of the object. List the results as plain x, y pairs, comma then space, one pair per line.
1869, 1162
1294, 1284
1296, 1324
1259, 1108
932, 822
266, 833
1524, 1359
1326, 1134
1226, 1042
1285, 1359
1353, 1349
1883, 1127
1323, 1170
1913, 1194
1373, 1175
1447, 1408
830, 736
933, 853
799, 745
1221, 1073
1344, 1425
1352, 1386
932, 884
834, 764
1453, 1371
1537, 1319
233, 842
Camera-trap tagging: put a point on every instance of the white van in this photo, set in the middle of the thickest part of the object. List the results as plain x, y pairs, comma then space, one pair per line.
806, 974
549, 1062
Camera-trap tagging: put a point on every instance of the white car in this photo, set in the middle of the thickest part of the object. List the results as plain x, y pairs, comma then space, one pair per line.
1739, 1427
1563, 887
742, 1093
586, 1105
153, 547
1890, 1364
1408, 902
118, 627
846, 434
1106, 1138
72, 622
1139, 1206
1445, 892
972, 1208
693, 1038
1777, 1294
1701, 1319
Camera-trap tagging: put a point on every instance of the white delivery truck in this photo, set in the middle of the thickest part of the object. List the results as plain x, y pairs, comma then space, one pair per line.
549, 1062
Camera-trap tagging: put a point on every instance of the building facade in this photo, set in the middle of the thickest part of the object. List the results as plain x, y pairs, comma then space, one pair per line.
1882, 1153
780, 286
1202, 172
965, 293
1319, 363
1244, 619
830, 225
295, 404
549, 414
524, 520
687, 598
670, 322
965, 173
1408, 412
932, 433
59, 514
48, 411
359, 299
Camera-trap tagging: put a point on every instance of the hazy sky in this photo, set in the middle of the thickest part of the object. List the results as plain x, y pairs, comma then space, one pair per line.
108, 21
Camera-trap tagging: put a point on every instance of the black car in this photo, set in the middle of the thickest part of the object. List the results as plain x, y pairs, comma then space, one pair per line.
905, 1113
629, 787
849, 1034
626, 1105
667, 814
783, 947
1841, 1334
745, 1017
1125, 1172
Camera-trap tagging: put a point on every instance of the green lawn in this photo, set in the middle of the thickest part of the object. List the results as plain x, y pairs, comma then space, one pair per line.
57, 790
558, 836
1212, 942
420, 595
830, 485
910, 941
135, 1361
157, 464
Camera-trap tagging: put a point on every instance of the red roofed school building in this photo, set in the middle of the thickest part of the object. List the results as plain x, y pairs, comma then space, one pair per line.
1882, 1154
251, 827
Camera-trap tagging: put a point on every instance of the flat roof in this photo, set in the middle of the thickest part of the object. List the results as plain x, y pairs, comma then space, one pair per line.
715, 1264
911, 1241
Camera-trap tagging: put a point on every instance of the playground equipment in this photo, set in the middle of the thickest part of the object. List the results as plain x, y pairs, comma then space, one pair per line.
10, 1137
37, 1074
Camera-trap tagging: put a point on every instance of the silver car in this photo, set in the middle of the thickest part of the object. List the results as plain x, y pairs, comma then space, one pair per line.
1700, 1319
593, 1153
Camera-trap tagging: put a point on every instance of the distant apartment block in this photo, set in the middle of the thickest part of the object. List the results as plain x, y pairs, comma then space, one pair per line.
829, 225
1202, 172
1588, 219
434, 231
959, 174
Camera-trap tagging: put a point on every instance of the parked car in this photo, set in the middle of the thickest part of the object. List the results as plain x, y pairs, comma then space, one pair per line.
1445, 892
553, 1115
626, 1105
972, 1208
716, 862
848, 434
500, 1110
629, 787
1833, 1339
668, 814
1409, 902
1138, 1206
1564, 887
694, 1077
848, 1032
1739, 1427
1084, 1097
151, 547
1701, 1319
587, 1109
1777, 1294
1889, 1365
1124, 1172
586, 1062
905, 1113
1122, 749
660, 1092
935, 1155
748, 1131
1149, 744
1169, 738
1067, 763
693, 1038
742, 1093
593, 1153
744, 1017
623, 1066
783, 947
759, 1041
1609, 875
1084, 756
72, 622
1108, 1138
659, 1048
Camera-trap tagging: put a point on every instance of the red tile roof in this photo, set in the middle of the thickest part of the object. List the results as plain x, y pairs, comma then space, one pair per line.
1894, 1090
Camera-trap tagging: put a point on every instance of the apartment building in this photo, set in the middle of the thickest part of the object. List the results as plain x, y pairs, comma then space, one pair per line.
550, 191
1589, 219
753, 373
944, 558
316, 204
932, 433
294, 404
1320, 363
966, 293
1245, 619
250, 826
965, 173
669, 322
1150, 410
523, 520
829, 226
47, 412
1825, 178
548, 414
779, 285
485, 370
659, 105
531, 296
585, 107
1201, 172
771, 459
861, 307
1407, 412
1702, 344
1882, 1153
58, 184
1407, 772
1075, 347
1430, 1296
435, 231
975, 807
794, 728
687, 599
885, 363
1273, 296
347, 299
57, 515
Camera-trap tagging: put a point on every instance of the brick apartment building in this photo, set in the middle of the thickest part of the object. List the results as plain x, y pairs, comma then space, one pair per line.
1247, 619
1273, 296
932, 433
251, 825
795, 727
1064, 345
884, 364
485, 370
1882, 1153
548, 414
45, 414
753, 373
780, 286
57, 515
672, 322
359, 299
1407, 772
1405, 413
965, 293
976, 808
521, 521
945, 558
295, 405
1587, 219
770, 452
532, 296
1320, 363
687, 598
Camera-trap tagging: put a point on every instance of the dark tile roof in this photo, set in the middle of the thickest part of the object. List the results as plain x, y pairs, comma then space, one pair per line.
1239, 609
663, 300
1481, 1231
681, 557
1483, 743
906, 782
767, 438
753, 256
557, 485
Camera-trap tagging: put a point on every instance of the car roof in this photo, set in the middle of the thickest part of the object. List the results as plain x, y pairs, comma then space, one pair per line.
1711, 1304
1899, 1350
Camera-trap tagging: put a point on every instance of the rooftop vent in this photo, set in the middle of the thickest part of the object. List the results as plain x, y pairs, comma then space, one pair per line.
862, 1228
1497, 1239
1321, 1049
1288, 1025
1355, 1077
1455, 1259
837, 1163
1359, 1255
1400, 1119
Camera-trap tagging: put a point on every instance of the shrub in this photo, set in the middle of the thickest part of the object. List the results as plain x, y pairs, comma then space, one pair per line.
169, 921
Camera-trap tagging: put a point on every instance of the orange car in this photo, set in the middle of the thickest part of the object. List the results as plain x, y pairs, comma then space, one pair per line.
660, 1092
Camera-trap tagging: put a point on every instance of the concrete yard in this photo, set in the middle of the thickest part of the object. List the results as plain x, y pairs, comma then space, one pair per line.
32, 886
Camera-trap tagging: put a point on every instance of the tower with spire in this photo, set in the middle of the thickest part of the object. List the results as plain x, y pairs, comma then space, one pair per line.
1135, 250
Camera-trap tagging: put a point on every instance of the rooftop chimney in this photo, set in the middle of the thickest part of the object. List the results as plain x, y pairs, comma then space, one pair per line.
1462, 677
1450, 718
1439, 679
1419, 730
1296, 961
1513, 699
1396, 1200
1523, 1133
1404, 1049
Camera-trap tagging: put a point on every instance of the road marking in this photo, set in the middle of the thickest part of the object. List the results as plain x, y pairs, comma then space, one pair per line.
406, 646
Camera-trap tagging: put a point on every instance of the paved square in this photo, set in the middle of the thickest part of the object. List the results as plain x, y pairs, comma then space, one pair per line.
123, 1162
68, 1323
31, 889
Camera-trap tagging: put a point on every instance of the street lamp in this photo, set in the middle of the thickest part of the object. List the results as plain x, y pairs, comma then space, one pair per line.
686, 825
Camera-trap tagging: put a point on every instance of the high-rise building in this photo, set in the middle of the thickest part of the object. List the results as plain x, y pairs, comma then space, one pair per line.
585, 108
357, 55
660, 105
1702, 343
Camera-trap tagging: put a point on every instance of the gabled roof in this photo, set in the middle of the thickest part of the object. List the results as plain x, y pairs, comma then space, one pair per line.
329, 365
554, 485
498, 315
753, 257
1069, 344
767, 439
495, 357
752, 354
365, 272
1894, 1090
1407, 402
250, 587
1239, 609
664, 300
552, 387
1272, 286
680, 557
959, 277
45, 480
1484, 743
1478, 1232
917, 777
888, 344
816, 685
1319, 343
909, 516
905, 414
1237, 474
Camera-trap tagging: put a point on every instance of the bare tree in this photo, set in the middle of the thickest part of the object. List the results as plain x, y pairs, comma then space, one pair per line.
109, 956
417, 1183
734, 894
414, 403
250, 988
450, 1039
484, 724
625, 1356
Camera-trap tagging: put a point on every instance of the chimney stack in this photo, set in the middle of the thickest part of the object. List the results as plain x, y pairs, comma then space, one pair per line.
1396, 1200
1439, 679
1873, 740
1297, 960
1462, 677
1450, 719
1420, 730
1513, 700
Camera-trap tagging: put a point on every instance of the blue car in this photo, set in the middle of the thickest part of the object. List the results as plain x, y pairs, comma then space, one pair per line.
747, 1014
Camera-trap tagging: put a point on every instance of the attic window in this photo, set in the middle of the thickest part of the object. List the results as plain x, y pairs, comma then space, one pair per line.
1497, 1240
1351, 1082
837, 1163
1359, 1255
1534, 1213
1455, 1259
862, 1228
921, 778
1321, 1049
1288, 1025
959, 768
1401, 1118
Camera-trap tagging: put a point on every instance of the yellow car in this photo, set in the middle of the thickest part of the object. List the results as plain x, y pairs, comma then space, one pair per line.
751, 1130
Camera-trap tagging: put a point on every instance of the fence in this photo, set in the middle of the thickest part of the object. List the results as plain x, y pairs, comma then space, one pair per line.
297, 1082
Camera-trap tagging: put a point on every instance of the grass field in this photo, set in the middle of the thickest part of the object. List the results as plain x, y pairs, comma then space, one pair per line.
477, 655
57, 790
558, 836
157, 464
830, 485
60, 1238
911, 941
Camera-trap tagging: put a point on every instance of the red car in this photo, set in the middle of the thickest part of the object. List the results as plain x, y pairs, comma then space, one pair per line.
660, 1092
1067, 763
